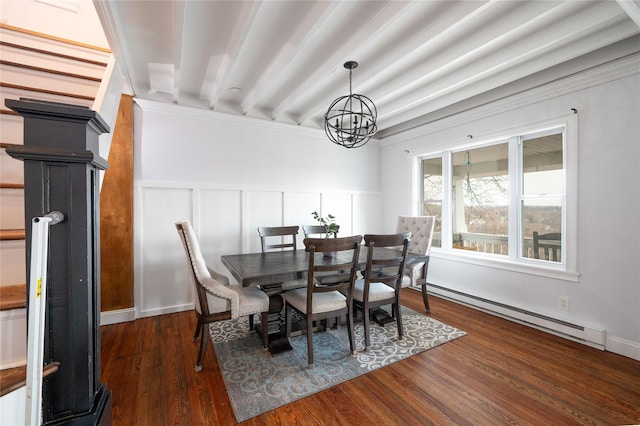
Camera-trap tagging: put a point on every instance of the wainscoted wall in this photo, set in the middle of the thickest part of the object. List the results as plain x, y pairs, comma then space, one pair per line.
228, 176
225, 221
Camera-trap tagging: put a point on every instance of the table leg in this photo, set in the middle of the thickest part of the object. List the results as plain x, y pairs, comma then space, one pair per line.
278, 341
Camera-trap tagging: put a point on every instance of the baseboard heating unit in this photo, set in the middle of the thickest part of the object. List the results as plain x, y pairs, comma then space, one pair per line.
587, 335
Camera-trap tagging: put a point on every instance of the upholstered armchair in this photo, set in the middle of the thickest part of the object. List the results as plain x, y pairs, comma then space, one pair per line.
216, 300
421, 228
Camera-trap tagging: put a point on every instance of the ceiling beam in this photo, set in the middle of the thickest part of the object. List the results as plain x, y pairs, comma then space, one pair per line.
632, 8
242, 28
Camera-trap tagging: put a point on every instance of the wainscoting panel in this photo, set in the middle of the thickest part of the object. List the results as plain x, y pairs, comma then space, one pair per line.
340, 205
367, 214
162, 281
298, 207
225, 221
264, 208
219, 225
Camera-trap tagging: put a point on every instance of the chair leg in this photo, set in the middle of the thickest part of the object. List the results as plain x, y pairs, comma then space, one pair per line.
396, 307
367, 320
198, 328
310, 342
352, 340
203, 349
251, 322
265, 329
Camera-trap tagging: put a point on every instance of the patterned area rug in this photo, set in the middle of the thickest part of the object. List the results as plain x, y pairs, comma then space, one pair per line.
258, 382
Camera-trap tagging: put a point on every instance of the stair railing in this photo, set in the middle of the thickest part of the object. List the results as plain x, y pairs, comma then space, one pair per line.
37, 304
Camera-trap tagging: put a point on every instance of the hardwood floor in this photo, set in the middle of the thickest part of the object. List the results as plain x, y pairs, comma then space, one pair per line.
500, 373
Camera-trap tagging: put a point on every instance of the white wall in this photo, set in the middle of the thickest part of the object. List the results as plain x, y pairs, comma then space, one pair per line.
607, 295
229, 175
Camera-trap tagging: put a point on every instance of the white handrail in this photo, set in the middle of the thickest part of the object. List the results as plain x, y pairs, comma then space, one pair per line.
37, 303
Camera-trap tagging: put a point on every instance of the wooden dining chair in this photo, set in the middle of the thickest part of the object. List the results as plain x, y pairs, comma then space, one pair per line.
318, 301
382, 278
284, 235
316, 231
550, 244
216, 300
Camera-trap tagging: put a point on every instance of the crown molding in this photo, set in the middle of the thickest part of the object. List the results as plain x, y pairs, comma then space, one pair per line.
601, 74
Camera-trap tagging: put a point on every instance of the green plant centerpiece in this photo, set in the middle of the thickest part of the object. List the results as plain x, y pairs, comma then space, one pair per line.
329, 223
330, 227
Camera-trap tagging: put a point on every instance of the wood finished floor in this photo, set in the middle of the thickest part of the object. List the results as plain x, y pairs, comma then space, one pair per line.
500, 373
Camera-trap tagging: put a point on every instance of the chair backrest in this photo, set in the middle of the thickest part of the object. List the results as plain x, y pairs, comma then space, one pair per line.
317, 230
421, 228
212, 294
549, 243
283, 234
384, 265
343, 263
197, 264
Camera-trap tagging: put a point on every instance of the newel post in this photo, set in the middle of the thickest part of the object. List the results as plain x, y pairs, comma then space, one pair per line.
61, 172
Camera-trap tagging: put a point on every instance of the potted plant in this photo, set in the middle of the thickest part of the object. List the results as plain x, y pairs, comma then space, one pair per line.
329, 223
330, 227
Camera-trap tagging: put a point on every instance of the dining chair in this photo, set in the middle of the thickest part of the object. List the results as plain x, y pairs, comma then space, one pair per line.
382, 278
318, 231
549, 243
285, 235
317, 301
421, 228
311, 231
217, 300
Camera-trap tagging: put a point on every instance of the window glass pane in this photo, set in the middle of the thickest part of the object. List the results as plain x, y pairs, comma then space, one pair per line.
481, 199
543, 169
432, 194
542, 195
543, 217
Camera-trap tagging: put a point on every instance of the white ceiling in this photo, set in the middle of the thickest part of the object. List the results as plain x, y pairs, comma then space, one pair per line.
419, 60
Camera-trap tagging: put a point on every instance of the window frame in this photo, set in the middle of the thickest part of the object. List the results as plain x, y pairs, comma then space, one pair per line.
514, 261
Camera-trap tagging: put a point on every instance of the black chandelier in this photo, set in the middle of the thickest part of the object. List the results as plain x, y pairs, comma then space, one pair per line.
350, 121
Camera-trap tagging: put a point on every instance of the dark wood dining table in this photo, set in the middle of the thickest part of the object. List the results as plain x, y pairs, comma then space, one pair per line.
268, 270
260, 269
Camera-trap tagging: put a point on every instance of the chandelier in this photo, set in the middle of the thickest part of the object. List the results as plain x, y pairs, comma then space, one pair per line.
350, 121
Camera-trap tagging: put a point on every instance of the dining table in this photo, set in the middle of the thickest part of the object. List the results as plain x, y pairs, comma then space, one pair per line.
268, 270
261, 269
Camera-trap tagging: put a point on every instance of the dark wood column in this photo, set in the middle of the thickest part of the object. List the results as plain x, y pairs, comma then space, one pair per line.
61, 166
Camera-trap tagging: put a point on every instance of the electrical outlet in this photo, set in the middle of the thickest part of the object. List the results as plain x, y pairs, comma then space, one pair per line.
563, 303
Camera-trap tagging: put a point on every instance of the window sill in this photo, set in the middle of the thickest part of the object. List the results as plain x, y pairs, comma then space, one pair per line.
502, 262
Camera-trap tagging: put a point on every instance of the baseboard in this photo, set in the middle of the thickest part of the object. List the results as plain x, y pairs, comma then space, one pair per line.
164, 311
623, 347
590, 336
117, 316
130, 314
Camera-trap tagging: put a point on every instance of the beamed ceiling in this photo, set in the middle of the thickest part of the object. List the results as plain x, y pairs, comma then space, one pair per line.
418, 60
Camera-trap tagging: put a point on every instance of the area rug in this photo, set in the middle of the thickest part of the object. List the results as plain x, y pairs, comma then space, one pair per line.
258, 382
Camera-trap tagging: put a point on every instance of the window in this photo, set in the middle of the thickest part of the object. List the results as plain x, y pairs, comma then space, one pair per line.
432, 195
492, 198
480, 205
